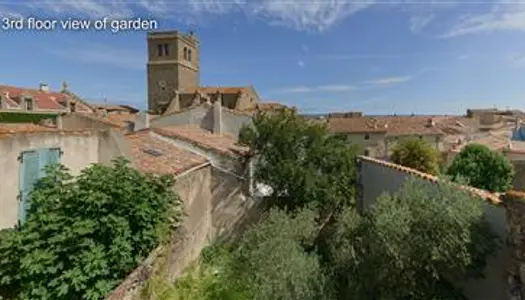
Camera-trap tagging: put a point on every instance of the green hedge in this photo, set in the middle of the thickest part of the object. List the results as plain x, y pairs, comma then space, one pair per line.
22, 117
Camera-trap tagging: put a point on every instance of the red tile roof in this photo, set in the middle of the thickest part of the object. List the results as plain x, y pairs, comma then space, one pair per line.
224, 143
152, 155
42, 100
222, 89
24, 128
390, 125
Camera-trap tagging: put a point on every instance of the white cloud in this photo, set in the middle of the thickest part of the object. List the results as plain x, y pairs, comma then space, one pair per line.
314, 15
102, 54
300, 63
331, 88
89, 8
502, 16
417, 23
389, 80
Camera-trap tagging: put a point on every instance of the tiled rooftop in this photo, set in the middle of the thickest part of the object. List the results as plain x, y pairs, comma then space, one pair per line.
494, 142
153, 155
23, 128
42, 100
224, 143
390, 125
221, 89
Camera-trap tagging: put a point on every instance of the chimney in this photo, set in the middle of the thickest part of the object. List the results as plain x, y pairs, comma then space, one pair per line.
58, 122
217, 115
431, 122
44, 88
141, 121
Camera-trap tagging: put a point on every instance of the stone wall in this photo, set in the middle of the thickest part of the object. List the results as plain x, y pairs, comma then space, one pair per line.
202, 116
515, 214
217, 205
377, 177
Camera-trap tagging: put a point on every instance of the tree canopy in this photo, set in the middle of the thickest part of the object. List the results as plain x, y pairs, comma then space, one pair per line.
84, 234
302, 162
415, 244
416, 154
482, 168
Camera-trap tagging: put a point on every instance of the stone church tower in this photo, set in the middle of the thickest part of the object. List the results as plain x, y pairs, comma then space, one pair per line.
173, 66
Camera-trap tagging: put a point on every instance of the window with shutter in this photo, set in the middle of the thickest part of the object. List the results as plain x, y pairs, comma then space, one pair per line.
32, 169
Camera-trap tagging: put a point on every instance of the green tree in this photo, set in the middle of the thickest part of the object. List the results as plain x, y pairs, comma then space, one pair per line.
84, 234
416, 154
301, 161
412, 245
272, 260
482, 168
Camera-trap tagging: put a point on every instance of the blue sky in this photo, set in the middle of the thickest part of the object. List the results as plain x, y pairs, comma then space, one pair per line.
330, 55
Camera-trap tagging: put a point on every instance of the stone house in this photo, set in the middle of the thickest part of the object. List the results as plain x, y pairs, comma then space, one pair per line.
27, 148
377, 136
213, 178
41, 100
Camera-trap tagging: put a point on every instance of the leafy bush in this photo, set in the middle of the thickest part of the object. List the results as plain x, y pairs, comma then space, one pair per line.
416, 154
482, 168
21, 117
301, 161
415, 244
84, 234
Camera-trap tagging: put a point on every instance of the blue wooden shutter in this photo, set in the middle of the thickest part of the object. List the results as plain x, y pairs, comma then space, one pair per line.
47, 157
33, 163
29, 173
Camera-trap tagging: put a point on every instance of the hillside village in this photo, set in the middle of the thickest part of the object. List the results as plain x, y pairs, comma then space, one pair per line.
191, 132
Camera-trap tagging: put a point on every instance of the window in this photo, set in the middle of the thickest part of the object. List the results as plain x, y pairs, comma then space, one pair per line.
28, 103
32, 165
159, 50
185, 53
367, 152
166, 50
73, 107
367, 136
189, 54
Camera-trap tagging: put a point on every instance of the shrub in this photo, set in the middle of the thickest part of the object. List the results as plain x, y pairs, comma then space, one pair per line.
482, 168
84, 234
416, 244
416, 154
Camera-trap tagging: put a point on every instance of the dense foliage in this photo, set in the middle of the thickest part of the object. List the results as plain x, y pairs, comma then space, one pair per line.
482, 168
271, 261
301, 161
411, 245
416, 154
21, 117
84, 234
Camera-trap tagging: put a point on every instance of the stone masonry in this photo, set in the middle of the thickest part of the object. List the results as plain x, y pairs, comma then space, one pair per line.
515, 217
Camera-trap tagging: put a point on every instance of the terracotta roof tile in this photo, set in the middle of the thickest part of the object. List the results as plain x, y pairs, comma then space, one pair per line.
24, 127
43, 100
390, 125
222, 89
224, 143
153, 155
122, 119
493, 142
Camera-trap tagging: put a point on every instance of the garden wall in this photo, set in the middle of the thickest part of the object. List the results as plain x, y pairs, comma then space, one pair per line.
377, 177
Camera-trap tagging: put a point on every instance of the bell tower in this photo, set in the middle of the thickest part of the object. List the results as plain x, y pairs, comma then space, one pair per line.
173, 65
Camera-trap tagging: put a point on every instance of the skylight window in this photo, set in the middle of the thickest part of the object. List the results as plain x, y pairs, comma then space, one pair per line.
153, 152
